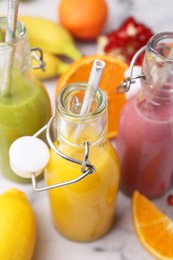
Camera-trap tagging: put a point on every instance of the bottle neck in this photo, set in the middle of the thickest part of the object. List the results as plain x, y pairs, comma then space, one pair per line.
74, 129
158, 66
15, 56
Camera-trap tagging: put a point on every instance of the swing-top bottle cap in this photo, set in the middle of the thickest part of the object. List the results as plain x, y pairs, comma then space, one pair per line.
28, 155
136, 85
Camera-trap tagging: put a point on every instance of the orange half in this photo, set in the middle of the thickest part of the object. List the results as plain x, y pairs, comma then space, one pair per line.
112, 77
153, 227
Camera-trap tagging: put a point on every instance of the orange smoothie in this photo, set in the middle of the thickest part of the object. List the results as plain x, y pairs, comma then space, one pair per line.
84, 211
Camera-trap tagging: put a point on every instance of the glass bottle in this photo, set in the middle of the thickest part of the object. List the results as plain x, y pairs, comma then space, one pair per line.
24, 102
145, 134
83, 211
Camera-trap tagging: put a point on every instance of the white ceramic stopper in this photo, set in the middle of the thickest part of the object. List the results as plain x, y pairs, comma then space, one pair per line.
28, 154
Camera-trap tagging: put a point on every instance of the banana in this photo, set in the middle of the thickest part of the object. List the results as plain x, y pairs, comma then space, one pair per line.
54, 67
50, 36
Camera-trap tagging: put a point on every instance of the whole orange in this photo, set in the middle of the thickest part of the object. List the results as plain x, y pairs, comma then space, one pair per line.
83, 18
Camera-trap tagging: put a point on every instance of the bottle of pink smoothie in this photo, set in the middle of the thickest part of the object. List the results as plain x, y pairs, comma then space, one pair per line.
145, 135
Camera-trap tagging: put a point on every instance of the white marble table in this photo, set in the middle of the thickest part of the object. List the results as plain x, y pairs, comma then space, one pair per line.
121, 243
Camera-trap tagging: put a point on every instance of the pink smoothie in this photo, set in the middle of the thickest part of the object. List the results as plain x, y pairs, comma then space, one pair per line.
145, 146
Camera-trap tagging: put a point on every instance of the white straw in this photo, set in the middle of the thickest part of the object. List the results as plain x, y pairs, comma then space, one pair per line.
93, 83
92, 86
12, 14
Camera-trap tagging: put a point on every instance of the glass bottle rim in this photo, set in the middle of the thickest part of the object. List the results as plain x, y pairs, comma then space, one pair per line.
21, 31
154, 40
64, 95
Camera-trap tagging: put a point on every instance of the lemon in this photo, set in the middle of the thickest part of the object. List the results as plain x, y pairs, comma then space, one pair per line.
17, 226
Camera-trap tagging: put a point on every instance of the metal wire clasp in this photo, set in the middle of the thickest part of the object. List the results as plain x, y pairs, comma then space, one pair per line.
37, 54
124, 87
86, 169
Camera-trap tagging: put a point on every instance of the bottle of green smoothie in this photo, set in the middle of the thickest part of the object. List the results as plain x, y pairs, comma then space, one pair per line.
24, 103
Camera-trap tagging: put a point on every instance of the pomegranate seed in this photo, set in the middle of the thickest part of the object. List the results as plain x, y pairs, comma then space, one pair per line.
170, 199
128, 39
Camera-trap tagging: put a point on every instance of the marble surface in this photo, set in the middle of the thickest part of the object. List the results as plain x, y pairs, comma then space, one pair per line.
121, 243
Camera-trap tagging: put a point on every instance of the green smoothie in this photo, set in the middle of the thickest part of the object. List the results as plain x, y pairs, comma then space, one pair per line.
22, 112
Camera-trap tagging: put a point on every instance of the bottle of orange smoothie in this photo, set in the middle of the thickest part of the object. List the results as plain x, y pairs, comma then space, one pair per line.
85, 210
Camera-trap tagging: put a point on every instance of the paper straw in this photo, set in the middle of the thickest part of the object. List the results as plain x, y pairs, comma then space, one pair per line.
92, 86
93, 83
12, 14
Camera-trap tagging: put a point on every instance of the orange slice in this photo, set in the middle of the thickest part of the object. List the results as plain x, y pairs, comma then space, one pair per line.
113, 76
154, 228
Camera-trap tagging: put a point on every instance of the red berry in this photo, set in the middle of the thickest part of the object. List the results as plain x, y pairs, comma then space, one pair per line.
170, 199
